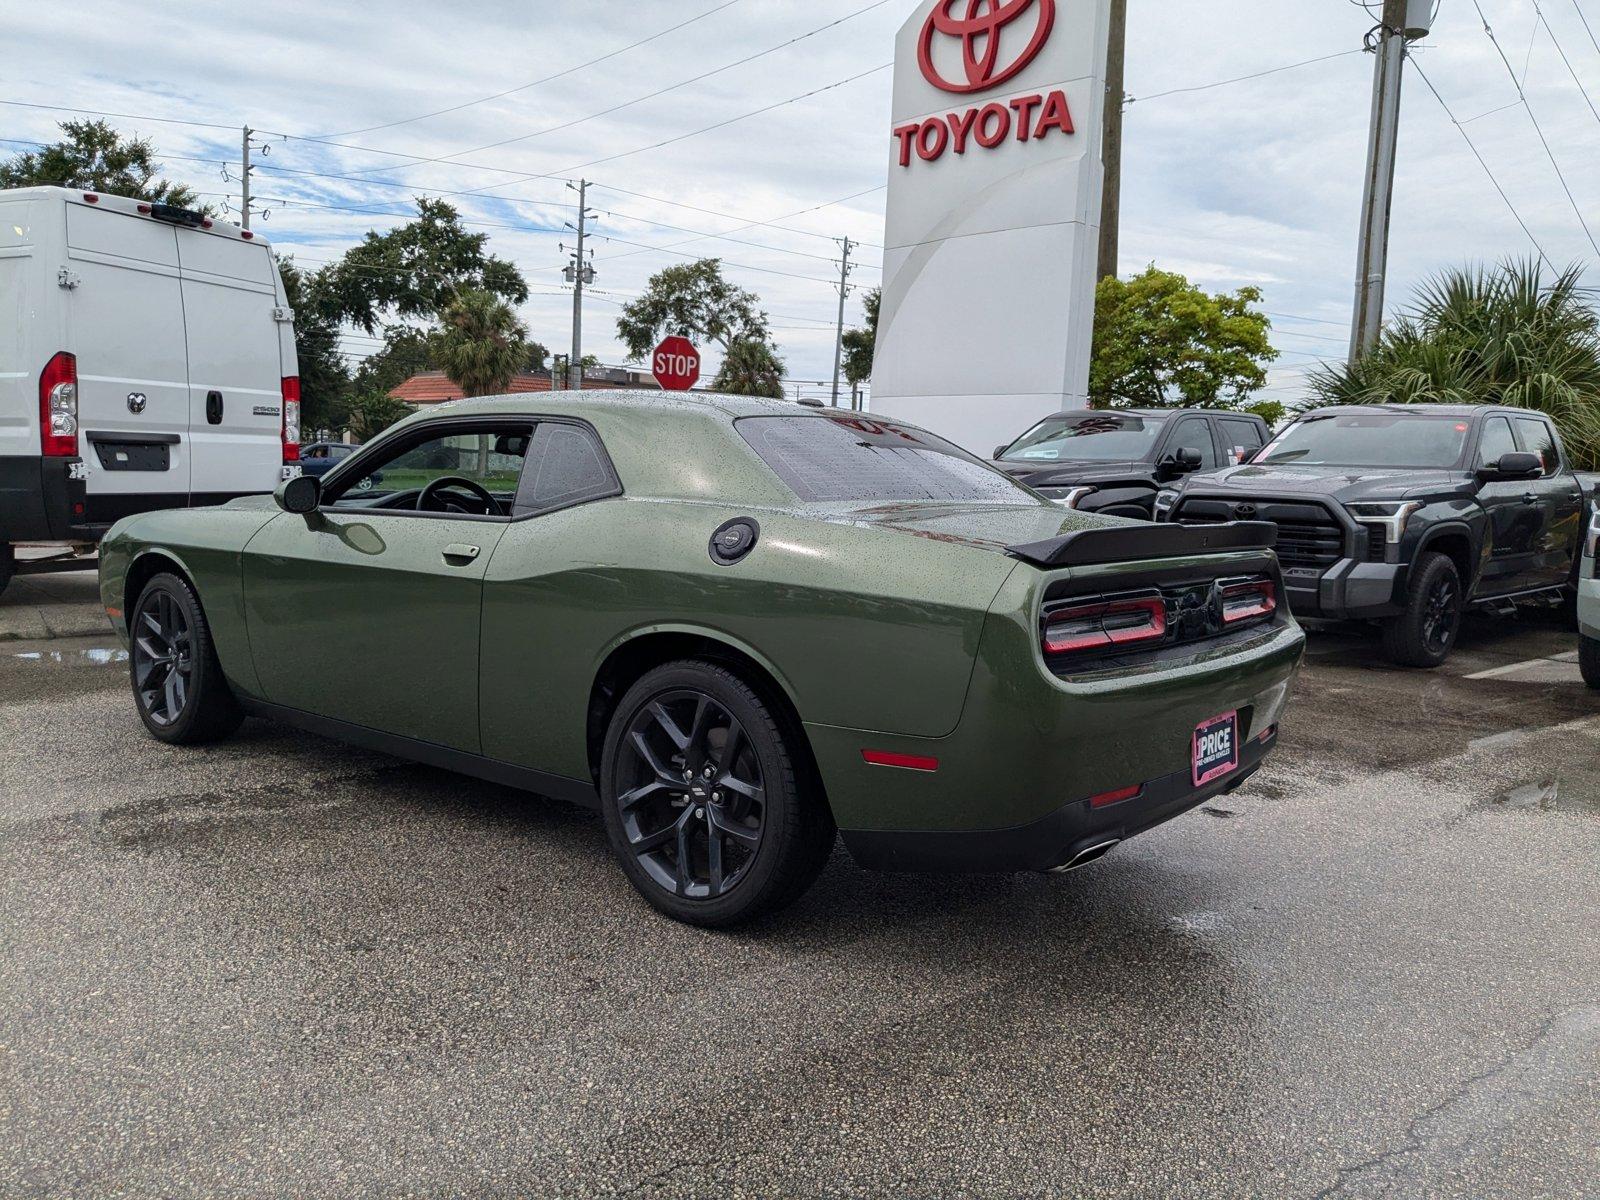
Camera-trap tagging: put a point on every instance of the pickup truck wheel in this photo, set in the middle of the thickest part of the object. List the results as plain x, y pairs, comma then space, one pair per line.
8, 564
178, 685
1426, 632
1589, 660
706, 798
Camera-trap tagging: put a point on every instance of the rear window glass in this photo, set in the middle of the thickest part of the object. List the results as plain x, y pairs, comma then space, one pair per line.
856, 458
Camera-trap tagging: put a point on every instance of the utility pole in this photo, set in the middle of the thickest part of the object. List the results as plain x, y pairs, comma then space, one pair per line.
579, 273
1111, 145
838, 340
244, 182
1404, 21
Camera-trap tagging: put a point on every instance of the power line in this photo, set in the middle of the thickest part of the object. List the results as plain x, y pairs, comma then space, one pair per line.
439, 112
751, 222
1481, 161
1586, 27
615, 108
1205, 87
1536, 127
1561, 51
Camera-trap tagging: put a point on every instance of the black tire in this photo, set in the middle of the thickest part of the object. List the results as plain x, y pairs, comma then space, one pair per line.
8, 564
768, 851
1589, 660
1426, 632
178, 686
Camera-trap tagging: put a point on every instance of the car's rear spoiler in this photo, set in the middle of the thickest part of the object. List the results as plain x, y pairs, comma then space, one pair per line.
1134, 543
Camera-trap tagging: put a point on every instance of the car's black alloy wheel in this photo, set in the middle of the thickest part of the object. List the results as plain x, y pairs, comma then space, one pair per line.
181, 693
708, 795
1589, 660
1441, 614
694, 798
163, 657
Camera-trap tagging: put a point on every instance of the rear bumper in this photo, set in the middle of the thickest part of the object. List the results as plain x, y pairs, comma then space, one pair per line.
1348, 590
1054, 840
40, 501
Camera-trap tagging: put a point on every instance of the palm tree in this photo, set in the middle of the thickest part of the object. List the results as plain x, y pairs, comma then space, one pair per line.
482, 345
751, 367
1507, 335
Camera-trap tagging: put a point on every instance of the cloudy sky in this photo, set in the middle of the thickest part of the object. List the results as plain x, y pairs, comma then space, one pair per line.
767, 121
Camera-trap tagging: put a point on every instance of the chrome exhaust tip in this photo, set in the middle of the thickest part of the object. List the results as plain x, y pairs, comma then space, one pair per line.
1086, 856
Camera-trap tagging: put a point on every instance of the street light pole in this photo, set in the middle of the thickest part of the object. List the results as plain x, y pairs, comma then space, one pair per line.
1111, 144
579, 273
244, 182
1404, 21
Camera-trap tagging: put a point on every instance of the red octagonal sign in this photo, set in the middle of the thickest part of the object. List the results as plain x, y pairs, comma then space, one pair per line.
676, 364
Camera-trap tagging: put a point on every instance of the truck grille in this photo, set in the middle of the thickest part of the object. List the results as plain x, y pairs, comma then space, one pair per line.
1307, 536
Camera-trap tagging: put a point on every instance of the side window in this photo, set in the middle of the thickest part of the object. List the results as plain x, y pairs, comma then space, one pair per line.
566, 466
1242, 438
1497, 441
1539, 438
490, 457
1194, 433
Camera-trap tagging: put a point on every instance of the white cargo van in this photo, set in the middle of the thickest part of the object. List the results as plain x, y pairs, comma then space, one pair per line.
147, 361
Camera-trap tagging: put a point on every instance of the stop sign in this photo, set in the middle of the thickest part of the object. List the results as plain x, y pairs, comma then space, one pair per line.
676, 364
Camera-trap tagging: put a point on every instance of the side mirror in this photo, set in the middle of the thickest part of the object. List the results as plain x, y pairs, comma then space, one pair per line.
1517, 465
1187, 459
302, 494
999, 451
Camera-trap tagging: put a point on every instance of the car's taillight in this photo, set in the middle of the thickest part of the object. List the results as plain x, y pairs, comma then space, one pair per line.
291, 418
1105, 623
1248, 600
58, 406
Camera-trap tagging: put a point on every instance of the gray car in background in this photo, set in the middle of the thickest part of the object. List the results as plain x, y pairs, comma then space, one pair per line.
1589, 600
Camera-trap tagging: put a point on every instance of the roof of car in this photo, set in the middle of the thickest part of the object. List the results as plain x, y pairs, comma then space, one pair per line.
1152, 412
1412, 410
621, 401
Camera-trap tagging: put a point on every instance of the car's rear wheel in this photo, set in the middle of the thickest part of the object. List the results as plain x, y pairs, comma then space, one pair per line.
1426, 632
707, 798
178, 684
1589, 660
8, 564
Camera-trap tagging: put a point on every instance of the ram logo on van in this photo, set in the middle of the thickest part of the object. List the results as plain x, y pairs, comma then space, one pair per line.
136, 402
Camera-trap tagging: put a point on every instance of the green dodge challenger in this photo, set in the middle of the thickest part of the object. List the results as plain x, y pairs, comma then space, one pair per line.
732, 625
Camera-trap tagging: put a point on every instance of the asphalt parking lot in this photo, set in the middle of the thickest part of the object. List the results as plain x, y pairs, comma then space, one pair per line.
280, 967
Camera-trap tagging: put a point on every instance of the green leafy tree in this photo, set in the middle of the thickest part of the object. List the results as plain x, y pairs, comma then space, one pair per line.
691, 300
538, 359
414, 271
1159, 341
95, 158
368, 414
324, 378
1512, 334
750, 367
482, 344
407, 350
859, 344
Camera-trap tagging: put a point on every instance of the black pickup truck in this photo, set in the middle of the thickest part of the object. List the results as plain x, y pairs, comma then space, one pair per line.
1114, 462
1406, 514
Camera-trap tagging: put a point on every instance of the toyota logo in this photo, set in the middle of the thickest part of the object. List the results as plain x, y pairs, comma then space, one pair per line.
1244, 511
980, 33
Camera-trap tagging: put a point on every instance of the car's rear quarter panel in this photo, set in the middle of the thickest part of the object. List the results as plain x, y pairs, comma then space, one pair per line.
866, 628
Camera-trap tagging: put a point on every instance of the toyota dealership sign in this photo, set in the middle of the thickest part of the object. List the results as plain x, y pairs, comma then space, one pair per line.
994, 214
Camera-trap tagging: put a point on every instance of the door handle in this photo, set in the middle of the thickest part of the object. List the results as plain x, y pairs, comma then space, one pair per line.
460, 553
1529, 498
214, 408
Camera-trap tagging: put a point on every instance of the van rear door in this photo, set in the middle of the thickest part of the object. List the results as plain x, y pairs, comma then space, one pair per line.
125, 325
235, 379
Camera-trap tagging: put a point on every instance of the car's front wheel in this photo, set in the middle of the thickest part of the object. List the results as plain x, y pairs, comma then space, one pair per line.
1426, 632
1589, 660
708, 799
178, 684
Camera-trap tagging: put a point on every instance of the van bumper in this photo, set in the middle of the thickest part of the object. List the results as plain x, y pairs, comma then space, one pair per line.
42, 499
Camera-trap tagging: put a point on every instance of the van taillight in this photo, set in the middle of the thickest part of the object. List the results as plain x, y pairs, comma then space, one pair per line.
291, 418
58, 407
1106, 623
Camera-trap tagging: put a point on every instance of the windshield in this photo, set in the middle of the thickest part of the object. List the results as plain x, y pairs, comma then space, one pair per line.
1091, 437
1376, 439
858, 458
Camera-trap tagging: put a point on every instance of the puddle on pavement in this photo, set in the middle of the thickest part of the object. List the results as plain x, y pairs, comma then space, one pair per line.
93, 656
1546, 795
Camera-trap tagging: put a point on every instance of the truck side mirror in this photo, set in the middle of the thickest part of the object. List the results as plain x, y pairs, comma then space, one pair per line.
999, 451
1187, 459
302, 494
1516, 465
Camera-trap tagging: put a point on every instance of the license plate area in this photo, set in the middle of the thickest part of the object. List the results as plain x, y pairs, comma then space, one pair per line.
1214, 751
133, 456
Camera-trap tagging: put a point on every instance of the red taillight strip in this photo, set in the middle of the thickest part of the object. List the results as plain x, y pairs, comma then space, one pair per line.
1264, 604
58, 397
1154, 609
909, 762
291, 418
1105, 799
